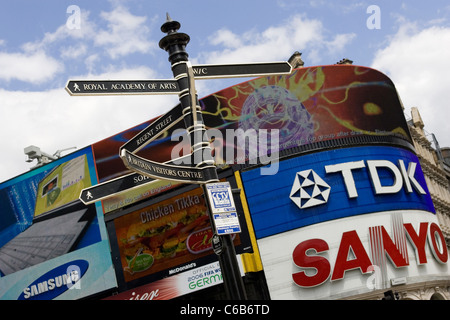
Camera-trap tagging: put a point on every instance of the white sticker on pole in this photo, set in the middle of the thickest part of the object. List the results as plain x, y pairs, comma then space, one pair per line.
223, 209
227, 223
220, 197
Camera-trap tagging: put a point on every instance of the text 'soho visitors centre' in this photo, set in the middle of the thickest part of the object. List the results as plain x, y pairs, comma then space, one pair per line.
342, 212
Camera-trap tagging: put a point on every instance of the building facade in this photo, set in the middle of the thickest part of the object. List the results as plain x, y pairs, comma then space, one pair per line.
437, 173
436, 170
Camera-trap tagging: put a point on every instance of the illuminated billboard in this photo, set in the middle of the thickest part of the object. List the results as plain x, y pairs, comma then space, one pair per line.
312, 108
163, 247
342, 222
334, 184
51, 243
355, 255
164, 235
156, 229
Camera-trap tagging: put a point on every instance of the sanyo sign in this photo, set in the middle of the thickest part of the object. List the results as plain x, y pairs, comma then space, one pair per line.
355, 255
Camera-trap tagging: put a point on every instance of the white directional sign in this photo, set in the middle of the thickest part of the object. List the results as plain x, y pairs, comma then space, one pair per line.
220, 197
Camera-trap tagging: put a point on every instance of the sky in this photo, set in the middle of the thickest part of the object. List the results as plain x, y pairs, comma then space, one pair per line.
45, 43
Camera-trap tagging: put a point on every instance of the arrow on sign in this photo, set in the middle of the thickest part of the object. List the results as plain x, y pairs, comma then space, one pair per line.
163, 171
112, 87
112, 187
116, 186
216, 71
154, 130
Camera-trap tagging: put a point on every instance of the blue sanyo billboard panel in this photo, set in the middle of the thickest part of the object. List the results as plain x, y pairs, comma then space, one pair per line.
334, 184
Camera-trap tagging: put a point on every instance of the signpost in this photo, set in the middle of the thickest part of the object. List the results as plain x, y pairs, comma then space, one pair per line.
221, 207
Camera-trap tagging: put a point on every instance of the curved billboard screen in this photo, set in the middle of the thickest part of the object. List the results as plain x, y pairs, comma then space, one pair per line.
334, 184
311, 108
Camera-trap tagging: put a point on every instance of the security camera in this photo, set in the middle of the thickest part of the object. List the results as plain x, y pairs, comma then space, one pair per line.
32, 152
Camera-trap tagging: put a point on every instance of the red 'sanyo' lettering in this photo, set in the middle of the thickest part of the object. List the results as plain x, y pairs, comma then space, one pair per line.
306, 254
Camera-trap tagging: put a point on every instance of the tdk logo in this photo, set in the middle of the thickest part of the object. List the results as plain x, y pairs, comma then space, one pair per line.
310, 190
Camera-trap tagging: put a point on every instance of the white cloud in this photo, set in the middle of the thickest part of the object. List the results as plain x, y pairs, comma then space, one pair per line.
86, 31
33, 68
417, 62
298, 33
126, 33
37, 62
54, 120
114, 73
73, 52
226, 38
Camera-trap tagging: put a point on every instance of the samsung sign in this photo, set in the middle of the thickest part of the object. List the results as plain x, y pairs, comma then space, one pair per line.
335, 184
56, 281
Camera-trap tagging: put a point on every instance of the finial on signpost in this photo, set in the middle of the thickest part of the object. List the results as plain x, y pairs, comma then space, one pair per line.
174, 42
170, 26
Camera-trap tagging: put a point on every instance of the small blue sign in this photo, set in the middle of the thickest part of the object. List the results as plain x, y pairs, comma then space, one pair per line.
227, 223
223, 208
220, 197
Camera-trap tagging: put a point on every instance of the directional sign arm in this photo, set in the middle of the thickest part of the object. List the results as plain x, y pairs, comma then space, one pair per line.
120, 87
154, 130
124, 183
163, 171
217, 71
109, 188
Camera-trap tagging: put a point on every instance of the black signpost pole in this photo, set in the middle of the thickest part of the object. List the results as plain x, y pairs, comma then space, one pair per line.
175, 43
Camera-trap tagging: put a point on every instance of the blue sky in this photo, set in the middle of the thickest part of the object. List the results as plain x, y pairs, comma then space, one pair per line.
42, 46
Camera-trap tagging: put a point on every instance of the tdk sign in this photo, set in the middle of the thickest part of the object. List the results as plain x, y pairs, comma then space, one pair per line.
334, 184
310, 190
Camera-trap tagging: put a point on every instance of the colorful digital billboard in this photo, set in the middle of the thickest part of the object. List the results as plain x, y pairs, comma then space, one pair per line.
50, 241
313, 108
165, 235
338, 104
334, 184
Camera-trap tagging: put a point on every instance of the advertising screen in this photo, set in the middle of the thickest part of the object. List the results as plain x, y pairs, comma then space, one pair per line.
366, 254
335, 184
165, 236
47, 236
340, 104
